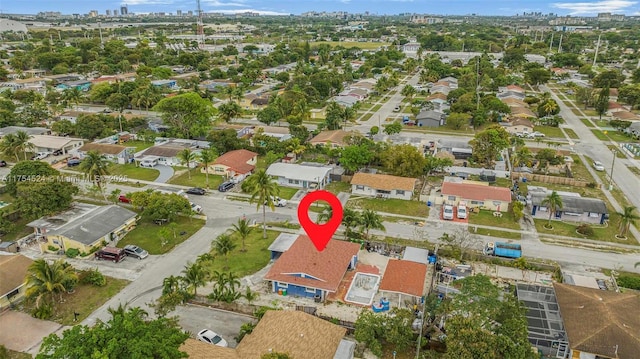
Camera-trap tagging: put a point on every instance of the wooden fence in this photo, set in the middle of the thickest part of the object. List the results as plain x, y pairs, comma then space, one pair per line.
549, 179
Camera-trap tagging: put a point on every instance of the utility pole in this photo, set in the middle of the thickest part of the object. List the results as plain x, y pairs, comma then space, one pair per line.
551, 42
424, 302
595, 57
100, 30
611, 173
200, 28
478, 83
560, 44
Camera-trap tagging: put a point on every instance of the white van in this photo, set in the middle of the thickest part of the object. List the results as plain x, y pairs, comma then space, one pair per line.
462, 210
149, 162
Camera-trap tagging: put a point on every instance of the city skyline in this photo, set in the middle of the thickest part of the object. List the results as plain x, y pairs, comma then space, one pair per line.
379, 7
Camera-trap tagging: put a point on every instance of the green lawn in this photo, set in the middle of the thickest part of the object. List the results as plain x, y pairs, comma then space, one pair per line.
392, 205
486, 218
139, 145
587, 122
133, 172
148, 235
571, 133
15, 355
612, 136
579, 170
338, 186
601, 136
256, 257
84, 300
496, 233
550, 131
602, 233
198, 179
287, 192
619, 153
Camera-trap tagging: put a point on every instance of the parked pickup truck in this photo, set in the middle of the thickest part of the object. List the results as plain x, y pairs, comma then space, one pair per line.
501, 249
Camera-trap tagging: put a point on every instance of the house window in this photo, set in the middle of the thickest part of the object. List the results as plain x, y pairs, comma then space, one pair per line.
400, 192
497, 203
572, 214
452, 198
310, 290
294, 181
360, 188
383, 192
542, 209
13, 293
283, 285
594, 215
477, 203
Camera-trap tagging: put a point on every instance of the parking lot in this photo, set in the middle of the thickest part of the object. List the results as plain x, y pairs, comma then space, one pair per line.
195, 318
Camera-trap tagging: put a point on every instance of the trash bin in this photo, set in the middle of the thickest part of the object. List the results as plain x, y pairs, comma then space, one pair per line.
279, 291
284, 292
524, 179
317, 298
428, 203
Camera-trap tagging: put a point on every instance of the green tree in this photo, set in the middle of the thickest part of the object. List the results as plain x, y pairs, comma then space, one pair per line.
408, 91
350, 219
269, 115
370, 220
130, 329
627, 218
23, 171
403, 160
630, 94
458, 120
42, 198
118, 102
63, 127
89, 126
518, 210
21, 141
194, 276
263, 190
243, 230
229, 111
207, 156
548, 108
188, 115
602, 102
489, 143
553, 202
355, 157
72, 95
9, 146
325, 214
223, 245
392, 128
436, 164
537, 76
157, 205
187, 156
95, 166
45, 280
608, 79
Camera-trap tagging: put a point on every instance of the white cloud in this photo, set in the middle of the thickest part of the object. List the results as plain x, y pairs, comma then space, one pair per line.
582, 8
217, 3
261, 12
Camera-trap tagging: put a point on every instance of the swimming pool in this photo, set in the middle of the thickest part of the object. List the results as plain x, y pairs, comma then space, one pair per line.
363, 288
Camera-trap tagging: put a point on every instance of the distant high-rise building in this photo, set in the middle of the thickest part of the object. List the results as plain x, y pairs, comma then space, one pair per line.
124, 10
93, 13
190, 13
108, 12
179, 12
115, 12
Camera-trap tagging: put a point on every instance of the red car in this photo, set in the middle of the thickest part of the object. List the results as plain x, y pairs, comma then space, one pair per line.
124, 199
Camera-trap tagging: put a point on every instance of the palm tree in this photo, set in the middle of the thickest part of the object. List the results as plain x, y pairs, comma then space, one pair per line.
44, 279
9, 146
195, 275
223, 245
229, 111
187, 156
263, 190
371, 220
627, 218
95, 165
171, 284
207, 156
22, 143
325, 215
553, 202
243, 229
250, 295
350, 219
72, 95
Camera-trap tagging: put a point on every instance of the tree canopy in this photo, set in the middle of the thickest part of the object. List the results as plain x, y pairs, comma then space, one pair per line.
187, 115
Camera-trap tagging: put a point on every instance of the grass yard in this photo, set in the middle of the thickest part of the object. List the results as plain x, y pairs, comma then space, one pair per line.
601, 233
579, 170
619, 153
338, 186
148, 234
550, 131
287, 192
612, 136
496, 233
85, 299
10, 354
198, 179
348, 44
133, 172
571, 133
392, 205
255, 258
587, 122
139, 145
486, 218
600, 135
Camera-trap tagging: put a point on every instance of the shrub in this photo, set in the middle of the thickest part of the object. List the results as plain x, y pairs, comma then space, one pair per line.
52, 248
70, 283
93, 277
44, 311
629, 281
592, 185
585, 230
72, 252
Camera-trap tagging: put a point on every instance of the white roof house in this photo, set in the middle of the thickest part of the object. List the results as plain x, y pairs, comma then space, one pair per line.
301, 176
47, 143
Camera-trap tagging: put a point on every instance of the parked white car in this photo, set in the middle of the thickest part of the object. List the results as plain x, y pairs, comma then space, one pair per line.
598, 166
447, 212
211, 337
196, 208
41, 156
462, 210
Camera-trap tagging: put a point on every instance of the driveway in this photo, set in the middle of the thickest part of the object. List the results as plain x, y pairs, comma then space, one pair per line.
166, 172
21, 332
194, 318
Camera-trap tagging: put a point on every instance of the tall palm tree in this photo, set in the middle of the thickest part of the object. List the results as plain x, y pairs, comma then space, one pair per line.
553, 202
627, 218
263, 190
44, 280
9, 146
243, 229
350, 219
72, 95
371, 220
187, 156
229, 111
207, 156
325, 214
95, 165
22, 143
223, 245
171, 284
195, 275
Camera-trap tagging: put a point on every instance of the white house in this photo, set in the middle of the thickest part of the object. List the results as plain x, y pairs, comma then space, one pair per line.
116, 153
384, 186
300, 176
48, 143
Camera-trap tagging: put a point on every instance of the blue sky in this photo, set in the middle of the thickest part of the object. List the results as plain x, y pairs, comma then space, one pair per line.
444, 7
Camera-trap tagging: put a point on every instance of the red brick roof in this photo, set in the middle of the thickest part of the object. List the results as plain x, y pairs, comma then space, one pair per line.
476, 192
328, 266
237, 161
404, 277
515, 88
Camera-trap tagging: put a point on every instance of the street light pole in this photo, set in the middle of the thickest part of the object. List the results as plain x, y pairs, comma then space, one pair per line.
611, 173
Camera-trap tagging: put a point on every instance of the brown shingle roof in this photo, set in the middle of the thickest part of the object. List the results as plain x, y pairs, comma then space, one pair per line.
199, 350
514, 102
625, 115
522, 111
294, 332
476, 192
439, 96
600, 322
13, 269
163, 151
383, 182
327, 266
336, 137
237, 160
405, 277
104, 148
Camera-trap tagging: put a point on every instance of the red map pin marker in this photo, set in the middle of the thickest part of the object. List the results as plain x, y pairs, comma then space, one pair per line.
320, 234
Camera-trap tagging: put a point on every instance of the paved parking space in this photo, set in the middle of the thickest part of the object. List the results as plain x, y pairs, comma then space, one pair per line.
21, 332
195, 318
